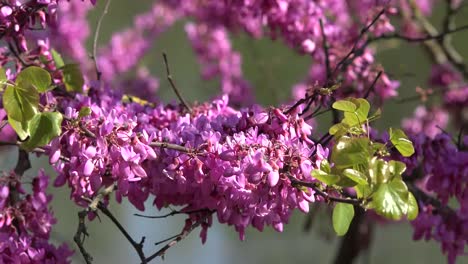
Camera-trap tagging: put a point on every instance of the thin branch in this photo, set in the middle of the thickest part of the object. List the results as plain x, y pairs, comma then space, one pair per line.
356, 43
173, 242
174, 87
172, 214
373, 84
80, 235
326, 51
325, 195
96, 38
418, 39
180, 148
138, 246
36, 150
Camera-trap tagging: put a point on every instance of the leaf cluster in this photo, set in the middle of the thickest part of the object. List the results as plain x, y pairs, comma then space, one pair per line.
363, 166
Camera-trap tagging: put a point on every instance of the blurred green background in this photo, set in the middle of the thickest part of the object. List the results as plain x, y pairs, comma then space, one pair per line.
272, 68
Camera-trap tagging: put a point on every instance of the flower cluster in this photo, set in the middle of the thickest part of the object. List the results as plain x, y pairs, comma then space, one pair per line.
236, 163
26, 221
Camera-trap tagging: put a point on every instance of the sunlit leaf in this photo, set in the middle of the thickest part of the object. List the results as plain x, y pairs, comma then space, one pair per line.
43, 128
20, 104
401, 142
391, 199
21, 128
355, 175
343, 215
413, 209
348, 152
324, 177
36, 77
344, 105
58, 60
73, 78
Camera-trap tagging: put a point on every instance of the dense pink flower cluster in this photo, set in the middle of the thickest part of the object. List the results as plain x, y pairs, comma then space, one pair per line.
236, 163
217, 159
26, 221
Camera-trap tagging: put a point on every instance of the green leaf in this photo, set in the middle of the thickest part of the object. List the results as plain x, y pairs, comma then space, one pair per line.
338, 130
359, 116
43, 128
21, 128
413, 209
379, 171
57, 59
36, 77
396, 167
328, 179
391, 199
3, 76
20, 104
342, 216
344, 105
349, 152
325, 166
356, 176
401, 142
84, 111
73, 78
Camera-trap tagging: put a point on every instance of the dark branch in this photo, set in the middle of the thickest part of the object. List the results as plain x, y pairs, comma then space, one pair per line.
96, 38
138, 246
371, 88
172, 83
173, 242
173, 213
80, 235
325, 195
326, 51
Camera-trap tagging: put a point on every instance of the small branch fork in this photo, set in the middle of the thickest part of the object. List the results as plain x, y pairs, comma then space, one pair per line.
96, 205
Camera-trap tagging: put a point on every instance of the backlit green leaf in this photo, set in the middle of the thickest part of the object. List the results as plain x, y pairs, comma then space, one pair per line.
43, 128
21, 128
20, 104
73, 78
324, 177
36, 77
355, 175
348, 152
401, 142
57, 58
343, 215
344, 105
413, 209
391, 199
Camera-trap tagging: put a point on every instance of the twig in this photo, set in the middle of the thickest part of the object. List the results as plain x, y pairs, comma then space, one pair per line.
138, 246
326, 51
96, 38
173, 242
373, 84
418, 39
172, 213
166, 145
174, 87
36, 150
80, 235
356, 43
325, 195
